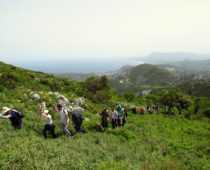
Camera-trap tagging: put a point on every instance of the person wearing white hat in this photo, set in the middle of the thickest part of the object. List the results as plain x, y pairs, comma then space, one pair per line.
64, 119
14, 115
49, 125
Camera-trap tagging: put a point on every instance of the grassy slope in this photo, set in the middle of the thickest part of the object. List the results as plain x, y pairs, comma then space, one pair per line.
148, 142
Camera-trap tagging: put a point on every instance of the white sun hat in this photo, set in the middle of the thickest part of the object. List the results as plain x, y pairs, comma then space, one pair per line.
5, 110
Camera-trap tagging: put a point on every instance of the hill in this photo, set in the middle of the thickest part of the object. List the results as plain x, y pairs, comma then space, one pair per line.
76, 76
152, 141
150, 75
147, 77
84, 76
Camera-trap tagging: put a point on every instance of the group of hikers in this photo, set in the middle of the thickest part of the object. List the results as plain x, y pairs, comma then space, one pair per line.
117, 116
77, 118
16, 117
147, 109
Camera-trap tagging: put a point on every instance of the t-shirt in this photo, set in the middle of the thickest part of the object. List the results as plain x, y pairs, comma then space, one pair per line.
119, 109
104, 114
63, 114
114, 115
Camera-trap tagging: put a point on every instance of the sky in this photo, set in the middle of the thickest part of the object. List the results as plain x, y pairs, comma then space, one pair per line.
93, 34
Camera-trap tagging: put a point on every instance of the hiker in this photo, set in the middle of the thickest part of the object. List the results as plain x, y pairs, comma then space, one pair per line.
119, 119
120, 111
123, 117
49, 125
104, 118
133, 109
119, 108
126, 111
149, 110
114, 117
14, 115
142, 111
64, 118
77, 119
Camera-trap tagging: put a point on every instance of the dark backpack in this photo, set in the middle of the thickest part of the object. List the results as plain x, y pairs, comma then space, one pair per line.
77, 117
16, 117
19, 112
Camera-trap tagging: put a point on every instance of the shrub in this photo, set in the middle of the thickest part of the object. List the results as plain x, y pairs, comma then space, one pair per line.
129, 96
174, 98
94, 84
55, 86
174, 111
9, 80
206, 112
101, 96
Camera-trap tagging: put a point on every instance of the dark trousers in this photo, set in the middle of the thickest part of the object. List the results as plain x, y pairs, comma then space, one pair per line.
78, 127
16, 127
104, 123
124, 120
49, 128
114, 123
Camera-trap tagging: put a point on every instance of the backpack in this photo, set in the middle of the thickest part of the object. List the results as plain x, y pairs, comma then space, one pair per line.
19, 112
77, 117
16, 117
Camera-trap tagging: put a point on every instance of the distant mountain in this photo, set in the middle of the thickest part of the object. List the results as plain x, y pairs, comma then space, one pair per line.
141, 77
145, 78
149, 77
84, 76
201, 65
165, 58
76, 76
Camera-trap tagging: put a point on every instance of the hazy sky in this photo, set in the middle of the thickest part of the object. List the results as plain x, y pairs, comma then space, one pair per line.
37, 30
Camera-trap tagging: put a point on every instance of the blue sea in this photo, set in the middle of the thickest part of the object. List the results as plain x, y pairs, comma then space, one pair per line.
77, 66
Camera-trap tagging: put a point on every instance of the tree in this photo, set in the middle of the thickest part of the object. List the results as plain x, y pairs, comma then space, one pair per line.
94, 84
103, 82
97, 88
174, 98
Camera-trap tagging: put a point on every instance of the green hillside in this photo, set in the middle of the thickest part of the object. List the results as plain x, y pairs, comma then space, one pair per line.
153, 141
151, 78
150, 75
76, 76
142, 77
196, 89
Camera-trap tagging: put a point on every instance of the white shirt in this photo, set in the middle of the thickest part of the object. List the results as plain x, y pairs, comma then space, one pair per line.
63, 114
49, 120
114, 115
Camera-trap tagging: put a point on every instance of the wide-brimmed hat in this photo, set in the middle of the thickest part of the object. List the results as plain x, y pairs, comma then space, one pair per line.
5, 110
46, 111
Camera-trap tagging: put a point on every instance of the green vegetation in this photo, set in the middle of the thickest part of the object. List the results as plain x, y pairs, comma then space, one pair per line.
147, 77
153, 141
196, 89
150, 75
